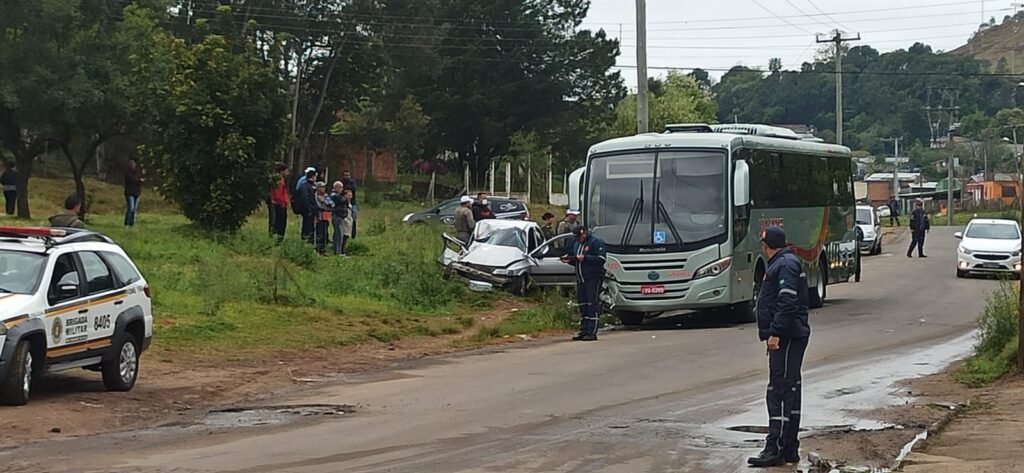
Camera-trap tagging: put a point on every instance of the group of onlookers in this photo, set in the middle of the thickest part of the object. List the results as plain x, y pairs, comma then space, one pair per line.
324, 215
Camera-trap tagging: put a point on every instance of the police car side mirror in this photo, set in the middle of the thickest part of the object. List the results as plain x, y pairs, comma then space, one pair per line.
741, 184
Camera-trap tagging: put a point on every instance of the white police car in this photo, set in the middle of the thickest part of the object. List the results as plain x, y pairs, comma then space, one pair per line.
69, 299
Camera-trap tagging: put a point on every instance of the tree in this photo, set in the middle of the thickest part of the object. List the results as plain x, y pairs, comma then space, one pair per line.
214, 116
402, 129
682, 101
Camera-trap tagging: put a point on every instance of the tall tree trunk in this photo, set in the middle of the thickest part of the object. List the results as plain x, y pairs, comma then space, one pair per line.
304, 144
77, 174
25, 153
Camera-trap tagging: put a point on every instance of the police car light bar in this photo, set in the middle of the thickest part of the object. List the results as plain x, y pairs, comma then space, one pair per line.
33, 231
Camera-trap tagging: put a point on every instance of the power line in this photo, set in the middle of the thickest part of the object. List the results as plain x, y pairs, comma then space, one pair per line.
803, 13
833, 20
779, 17
845, 73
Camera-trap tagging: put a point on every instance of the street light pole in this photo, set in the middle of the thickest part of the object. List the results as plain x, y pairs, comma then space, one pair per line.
837, 39
641, 67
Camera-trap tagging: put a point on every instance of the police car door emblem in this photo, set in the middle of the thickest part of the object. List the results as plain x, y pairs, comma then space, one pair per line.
57, 331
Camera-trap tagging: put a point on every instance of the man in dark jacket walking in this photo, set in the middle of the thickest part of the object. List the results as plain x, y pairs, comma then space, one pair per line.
132, 190
9, 182
782, 325
308, 206
894, 211
919, 225
587, 254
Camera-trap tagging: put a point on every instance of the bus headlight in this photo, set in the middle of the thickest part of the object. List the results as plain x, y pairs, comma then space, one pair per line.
713, 269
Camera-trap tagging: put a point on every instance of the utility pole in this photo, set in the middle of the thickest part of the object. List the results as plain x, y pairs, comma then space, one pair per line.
895, 166
837, 39
935, 116
641, 66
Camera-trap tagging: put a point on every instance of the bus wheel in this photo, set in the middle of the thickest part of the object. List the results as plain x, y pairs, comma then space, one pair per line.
816, 295
630, 319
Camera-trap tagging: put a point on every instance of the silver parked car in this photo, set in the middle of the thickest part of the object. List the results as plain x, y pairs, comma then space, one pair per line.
507, 254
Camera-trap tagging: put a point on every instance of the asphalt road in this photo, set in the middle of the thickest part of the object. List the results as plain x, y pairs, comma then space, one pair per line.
653, 400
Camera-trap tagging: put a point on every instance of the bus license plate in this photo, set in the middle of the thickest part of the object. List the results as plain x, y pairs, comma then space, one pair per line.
652, 289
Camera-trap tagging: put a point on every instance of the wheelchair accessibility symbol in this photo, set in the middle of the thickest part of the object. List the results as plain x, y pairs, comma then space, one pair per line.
659, 237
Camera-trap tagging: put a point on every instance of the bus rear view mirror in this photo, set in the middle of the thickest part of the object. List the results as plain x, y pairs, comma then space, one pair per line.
741, 184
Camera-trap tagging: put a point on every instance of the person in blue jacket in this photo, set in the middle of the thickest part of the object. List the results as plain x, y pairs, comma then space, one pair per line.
782, 324
587, 254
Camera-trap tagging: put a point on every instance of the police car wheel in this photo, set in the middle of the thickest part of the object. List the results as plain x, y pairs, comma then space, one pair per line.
122, 369
16, 389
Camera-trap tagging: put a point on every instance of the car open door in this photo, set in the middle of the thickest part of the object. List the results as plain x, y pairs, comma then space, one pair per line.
451, 250
547, 269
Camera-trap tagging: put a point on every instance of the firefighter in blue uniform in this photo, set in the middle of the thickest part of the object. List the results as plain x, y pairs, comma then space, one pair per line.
587, 254
782, 325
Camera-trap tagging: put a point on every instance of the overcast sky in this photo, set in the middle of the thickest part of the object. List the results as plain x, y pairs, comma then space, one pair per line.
720, 34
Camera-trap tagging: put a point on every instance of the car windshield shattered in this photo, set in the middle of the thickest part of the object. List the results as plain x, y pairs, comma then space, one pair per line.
19, 271
512, 237
993, 231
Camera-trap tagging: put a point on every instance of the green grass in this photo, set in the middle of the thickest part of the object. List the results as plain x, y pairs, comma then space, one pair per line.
242, 296
961, 218
995, 353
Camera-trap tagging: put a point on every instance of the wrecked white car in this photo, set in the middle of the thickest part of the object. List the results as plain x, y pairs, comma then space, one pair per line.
507, 254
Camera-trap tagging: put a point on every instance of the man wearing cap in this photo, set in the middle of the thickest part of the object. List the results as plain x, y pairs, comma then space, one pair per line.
587, 254
464, 221
782, 325
567, 225
919, 224
304, 177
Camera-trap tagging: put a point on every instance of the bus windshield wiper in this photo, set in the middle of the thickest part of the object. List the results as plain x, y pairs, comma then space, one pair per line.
635, 214
668, 221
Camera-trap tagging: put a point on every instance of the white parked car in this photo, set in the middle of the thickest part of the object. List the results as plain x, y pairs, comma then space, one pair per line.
989, 246
883, 211
508, 254
870, 226
69, 298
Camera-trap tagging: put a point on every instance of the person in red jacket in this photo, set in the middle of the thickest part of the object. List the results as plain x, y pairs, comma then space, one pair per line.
279, 201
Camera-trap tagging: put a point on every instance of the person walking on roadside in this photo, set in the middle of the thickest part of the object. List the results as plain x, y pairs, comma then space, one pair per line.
68, 218
481, 208
279, 201
919, 225
894, 211
339, 216
464, 221
9, 182
306, 197
322, 216
587, 254
548, 228
782, 324
132, 190
350, 185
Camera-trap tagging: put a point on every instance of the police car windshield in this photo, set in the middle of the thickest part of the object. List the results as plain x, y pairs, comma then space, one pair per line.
20, 271
864, 216
993, 231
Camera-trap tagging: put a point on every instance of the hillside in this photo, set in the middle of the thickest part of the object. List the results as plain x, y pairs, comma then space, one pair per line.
997, 42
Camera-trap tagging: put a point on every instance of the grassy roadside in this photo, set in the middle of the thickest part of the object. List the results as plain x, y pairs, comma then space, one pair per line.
241, 297
995, 353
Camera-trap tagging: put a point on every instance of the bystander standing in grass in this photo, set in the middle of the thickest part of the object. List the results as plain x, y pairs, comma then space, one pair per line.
350, 185
566, 226
68, 218
132, 190
322, 216
9, 182
306, 195
349, 228
340, 215
278, 208
548, 228
481, 208
464, 221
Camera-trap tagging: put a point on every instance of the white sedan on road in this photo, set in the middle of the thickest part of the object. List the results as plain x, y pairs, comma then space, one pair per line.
989, 246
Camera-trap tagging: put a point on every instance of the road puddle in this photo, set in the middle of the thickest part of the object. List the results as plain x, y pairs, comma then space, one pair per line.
257, 416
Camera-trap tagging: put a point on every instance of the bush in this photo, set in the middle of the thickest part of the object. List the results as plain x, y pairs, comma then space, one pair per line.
995, 354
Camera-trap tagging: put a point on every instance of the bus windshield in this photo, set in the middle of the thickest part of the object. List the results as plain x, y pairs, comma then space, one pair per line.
658, 198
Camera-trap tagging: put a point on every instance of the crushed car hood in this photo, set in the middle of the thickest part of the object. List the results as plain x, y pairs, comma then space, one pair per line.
492, 255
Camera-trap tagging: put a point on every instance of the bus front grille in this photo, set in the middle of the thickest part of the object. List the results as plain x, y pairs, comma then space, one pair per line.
654, 265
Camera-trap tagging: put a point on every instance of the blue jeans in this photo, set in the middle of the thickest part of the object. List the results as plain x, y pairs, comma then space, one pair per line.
131, 205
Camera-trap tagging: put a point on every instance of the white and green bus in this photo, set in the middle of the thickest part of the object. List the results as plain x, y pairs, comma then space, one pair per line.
681, 212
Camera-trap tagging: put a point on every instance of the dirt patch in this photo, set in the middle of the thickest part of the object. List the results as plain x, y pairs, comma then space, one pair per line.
74, 403
930, 401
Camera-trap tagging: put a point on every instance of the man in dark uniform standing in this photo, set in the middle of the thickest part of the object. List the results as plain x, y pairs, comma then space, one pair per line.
587, 254
919, 225
782, 325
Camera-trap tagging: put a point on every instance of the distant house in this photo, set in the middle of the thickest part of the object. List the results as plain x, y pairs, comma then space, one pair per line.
1001, 189
880, 185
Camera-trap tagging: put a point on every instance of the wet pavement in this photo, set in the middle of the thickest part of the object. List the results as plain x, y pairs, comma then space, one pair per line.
659, 400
